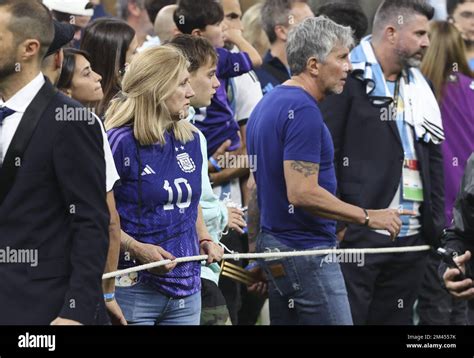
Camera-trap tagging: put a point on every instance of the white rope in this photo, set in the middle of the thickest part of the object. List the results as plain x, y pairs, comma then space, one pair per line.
266, 255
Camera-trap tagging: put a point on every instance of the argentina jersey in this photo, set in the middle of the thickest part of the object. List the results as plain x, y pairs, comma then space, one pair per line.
163, 184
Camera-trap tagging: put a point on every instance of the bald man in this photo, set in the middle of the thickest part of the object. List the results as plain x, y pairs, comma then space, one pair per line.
165, 27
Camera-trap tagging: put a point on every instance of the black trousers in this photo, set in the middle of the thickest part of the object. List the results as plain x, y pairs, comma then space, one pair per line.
384, 289
232, 290
252, 304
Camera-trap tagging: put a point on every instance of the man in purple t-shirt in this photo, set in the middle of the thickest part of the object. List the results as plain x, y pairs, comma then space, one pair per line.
296, 180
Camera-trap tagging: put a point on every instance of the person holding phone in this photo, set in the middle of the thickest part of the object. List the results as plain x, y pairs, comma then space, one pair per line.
460, 239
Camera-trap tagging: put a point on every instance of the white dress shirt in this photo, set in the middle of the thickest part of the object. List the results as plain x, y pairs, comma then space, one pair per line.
19, 103
111, 174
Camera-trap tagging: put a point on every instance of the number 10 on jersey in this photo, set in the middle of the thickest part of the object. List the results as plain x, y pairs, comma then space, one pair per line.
178, 183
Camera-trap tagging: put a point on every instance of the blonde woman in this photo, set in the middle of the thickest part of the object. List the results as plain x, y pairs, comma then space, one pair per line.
253, 31
159, 158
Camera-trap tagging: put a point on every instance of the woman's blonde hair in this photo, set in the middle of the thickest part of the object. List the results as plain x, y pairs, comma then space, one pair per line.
151, 78
446, 55
253, 31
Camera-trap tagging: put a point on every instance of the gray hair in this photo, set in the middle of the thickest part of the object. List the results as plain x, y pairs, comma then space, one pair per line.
122, 7
315, 37
276, 12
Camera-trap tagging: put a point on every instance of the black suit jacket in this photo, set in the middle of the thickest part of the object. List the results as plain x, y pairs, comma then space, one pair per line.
52, 199
369, 158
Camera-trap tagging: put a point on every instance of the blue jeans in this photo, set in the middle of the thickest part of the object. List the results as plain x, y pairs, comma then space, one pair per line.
304, 290
142, 304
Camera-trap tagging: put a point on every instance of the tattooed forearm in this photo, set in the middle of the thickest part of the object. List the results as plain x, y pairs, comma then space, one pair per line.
305, 168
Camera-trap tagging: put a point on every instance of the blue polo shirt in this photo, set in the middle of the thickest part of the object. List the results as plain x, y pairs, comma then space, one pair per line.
287, 125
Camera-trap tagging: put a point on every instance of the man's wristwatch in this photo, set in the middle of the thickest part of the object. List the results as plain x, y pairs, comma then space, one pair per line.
367, 217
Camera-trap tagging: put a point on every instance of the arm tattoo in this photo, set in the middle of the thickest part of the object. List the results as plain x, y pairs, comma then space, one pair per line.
305, 168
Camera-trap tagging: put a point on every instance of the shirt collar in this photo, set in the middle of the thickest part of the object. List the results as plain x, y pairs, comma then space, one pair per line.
274, 61
268, 56
22, 99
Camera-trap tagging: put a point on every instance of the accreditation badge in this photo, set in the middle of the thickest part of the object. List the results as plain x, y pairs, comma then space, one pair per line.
412, 184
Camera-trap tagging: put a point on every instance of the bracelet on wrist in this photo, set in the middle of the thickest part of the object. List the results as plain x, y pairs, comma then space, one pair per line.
203, 241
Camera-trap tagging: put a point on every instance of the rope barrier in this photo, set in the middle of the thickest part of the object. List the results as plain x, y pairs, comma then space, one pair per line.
267, 255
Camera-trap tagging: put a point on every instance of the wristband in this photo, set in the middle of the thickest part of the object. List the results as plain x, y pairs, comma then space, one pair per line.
205, 240
215, 164
109, 296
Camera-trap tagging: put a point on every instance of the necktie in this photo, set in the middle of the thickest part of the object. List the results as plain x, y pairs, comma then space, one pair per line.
4, 113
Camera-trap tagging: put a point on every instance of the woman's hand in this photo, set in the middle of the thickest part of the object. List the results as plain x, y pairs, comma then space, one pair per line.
115, 313
214, 251
146, 253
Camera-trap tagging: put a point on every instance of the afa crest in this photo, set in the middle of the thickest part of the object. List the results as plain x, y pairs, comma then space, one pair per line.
186, 163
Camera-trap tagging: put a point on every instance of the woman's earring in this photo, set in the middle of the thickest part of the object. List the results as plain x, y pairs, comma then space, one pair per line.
123, 69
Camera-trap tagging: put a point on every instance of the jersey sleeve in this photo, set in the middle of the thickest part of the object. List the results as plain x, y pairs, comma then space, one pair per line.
120, 151
232, 64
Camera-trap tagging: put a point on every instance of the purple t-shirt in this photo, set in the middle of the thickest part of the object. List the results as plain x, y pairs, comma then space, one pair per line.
287, 125
219, 123
170, 192
457, 110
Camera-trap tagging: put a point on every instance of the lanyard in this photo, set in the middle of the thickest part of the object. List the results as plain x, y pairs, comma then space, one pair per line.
396, 93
